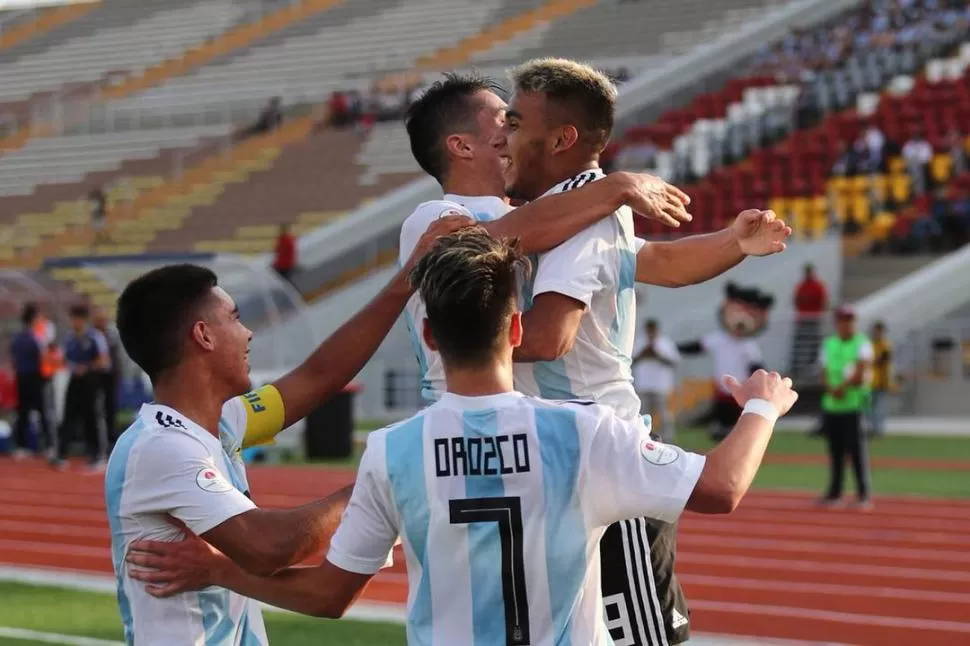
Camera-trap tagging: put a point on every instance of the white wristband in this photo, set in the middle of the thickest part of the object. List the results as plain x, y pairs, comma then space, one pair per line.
761, 407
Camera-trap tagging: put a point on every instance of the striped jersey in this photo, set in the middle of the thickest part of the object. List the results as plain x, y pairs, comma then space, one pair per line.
501, 501
165, 464
596, 267
481, 209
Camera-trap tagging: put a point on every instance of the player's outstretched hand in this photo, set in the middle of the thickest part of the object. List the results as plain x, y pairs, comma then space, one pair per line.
443, 226
763, 385
175, 567
760, 233
651, 197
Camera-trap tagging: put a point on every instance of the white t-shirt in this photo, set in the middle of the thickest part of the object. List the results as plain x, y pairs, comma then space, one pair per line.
652, 375
598, 268
731, 356
165, 464
501, 502
481, 209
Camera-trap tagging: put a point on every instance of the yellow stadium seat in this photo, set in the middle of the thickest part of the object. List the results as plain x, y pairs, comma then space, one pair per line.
881, 226
779, 205
897, 165
900, 184
819, 225
840, 206
859, 184
880, 187
860, 209
838, 185
941, 167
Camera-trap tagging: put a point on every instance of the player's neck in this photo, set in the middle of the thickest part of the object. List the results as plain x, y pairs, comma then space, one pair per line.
473, 185
481, 381
187, 394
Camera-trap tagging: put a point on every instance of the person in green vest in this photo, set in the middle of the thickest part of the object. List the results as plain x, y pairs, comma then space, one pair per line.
846, 360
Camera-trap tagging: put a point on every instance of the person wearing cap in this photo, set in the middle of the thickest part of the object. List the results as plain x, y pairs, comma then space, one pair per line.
846, 360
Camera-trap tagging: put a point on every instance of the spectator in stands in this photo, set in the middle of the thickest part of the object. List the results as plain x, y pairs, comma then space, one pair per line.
340, 109
918, 153
269, 120
86, 352
846, 360
956, 145
846, 161
653, 375
109, 376
882, 378
99, 213
27, 353
811, 301
284, 260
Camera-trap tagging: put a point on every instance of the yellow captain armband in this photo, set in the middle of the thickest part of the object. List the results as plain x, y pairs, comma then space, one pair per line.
264, 415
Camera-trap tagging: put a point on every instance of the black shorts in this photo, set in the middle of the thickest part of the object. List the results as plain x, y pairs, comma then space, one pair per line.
644, 603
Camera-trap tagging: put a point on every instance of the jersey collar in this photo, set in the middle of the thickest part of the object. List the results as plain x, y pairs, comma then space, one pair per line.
461, 402
480, 203
577, 180
170, 419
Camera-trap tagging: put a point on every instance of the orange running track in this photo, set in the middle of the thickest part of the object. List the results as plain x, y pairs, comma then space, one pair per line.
778, 567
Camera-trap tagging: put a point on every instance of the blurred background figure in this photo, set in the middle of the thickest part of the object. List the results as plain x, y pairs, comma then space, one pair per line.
284, 255
109, 375
846, 359
882, 378
87, 356
654, 364
28, 350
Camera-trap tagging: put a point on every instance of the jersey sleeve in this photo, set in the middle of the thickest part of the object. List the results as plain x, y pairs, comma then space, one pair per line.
256, 417
866, 352
629, 475
175, 474
668, 350
575, 268
638, 244
419, 221
367, 533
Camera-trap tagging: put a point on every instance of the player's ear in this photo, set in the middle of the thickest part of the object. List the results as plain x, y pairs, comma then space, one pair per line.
202, 334
515, 330
565, 138
428, 337
458, 146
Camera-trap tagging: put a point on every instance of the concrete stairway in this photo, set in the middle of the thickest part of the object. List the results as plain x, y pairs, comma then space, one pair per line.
867, 274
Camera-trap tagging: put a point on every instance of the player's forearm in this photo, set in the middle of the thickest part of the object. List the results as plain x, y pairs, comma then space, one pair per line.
344, 354
542, 340
688, 261
296, 534
299, 589
550, 221
731, 466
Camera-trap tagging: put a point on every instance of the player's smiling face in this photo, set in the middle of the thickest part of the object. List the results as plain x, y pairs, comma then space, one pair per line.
231, 347
523, 148
491, 119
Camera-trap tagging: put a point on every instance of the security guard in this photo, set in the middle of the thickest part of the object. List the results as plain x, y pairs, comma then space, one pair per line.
86, 354
846, 360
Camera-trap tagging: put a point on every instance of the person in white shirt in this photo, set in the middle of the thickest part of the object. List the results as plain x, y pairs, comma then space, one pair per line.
654, 362
181, 457
580, 308
501, 499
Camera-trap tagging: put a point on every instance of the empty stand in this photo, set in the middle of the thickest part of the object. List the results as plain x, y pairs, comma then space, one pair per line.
67, 159
127, 37
20, 29
339, 49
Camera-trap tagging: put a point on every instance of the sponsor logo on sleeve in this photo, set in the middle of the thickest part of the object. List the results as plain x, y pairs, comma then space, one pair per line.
658, 453
212, 481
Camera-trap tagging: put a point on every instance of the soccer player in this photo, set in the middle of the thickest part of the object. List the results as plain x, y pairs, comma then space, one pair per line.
580, 307
181, 457
500, 498
454, 129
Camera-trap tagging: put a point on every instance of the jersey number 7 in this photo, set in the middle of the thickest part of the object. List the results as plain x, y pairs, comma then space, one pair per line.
507, 512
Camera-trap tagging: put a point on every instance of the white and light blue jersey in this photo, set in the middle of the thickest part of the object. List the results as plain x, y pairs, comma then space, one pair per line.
165, 464
501, 502
597, 267
481, 209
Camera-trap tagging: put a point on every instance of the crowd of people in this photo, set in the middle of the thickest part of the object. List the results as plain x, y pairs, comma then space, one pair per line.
90, 353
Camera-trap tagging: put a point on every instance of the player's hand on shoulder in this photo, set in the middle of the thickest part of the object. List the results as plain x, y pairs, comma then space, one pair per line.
769, 386
651, 197
170, 568
448, 223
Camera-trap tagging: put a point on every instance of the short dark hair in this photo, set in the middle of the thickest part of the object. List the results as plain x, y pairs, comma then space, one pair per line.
469, 284
79, 311
588, 94
154, 311
652, 323
29, 313
446, 108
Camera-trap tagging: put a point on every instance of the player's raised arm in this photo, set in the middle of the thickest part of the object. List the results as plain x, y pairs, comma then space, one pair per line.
549, 221
697, 258
338, 359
